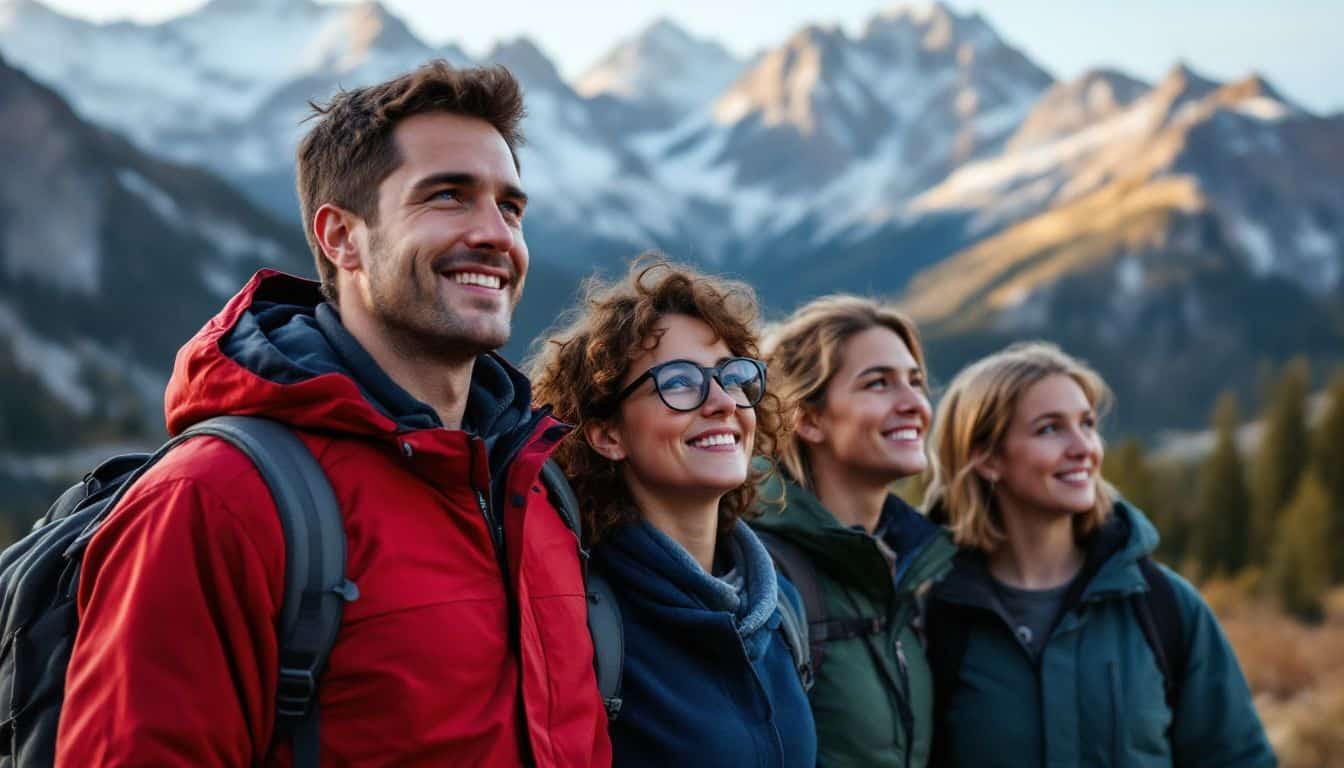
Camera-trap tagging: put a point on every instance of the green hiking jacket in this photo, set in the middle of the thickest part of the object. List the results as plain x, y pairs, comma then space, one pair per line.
873, 695
1095, 697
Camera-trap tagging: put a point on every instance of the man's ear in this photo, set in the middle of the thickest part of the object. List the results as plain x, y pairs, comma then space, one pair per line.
809, 427
337, 233
603, 436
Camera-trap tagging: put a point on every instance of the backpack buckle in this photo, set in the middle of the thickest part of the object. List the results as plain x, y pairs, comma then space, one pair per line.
294, 691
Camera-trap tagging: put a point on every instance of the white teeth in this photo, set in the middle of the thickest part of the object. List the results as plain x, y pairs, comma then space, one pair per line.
712, 440
1074, 477
476, 278
905, 434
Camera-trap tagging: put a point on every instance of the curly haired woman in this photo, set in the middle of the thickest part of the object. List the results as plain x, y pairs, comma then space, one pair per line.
658, 372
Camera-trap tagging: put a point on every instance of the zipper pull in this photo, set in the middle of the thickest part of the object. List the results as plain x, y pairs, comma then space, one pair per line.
900, 657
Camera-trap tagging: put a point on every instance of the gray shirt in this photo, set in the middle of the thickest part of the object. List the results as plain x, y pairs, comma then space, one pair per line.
1032, 612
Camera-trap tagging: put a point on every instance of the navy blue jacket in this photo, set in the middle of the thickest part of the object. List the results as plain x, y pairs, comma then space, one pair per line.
708, 678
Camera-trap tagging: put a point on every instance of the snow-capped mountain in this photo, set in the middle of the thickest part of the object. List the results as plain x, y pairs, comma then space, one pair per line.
107, 258
827, 134
1270, 172
691, 165
1170, 235
922, 144
663, 67
188, 88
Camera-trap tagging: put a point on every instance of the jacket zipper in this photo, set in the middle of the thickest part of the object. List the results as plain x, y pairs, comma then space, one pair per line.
495, 526
496, 530
904, 707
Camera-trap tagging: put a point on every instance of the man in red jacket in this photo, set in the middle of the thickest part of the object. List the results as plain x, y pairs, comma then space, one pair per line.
467, 644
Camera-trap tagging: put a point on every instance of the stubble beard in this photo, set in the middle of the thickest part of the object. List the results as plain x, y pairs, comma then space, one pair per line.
407, 302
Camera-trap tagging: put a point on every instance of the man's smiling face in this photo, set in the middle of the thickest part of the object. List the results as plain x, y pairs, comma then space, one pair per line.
445, 262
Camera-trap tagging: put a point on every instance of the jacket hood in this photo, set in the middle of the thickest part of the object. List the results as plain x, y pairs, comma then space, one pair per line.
1122, 541
659, 576
1110, 568
848, 555
278, 350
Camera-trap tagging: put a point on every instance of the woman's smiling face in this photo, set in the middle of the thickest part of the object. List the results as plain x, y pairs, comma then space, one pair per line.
875, 414
1050, 458
698, 454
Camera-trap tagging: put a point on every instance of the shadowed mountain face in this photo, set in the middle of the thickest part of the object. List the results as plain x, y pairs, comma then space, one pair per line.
1176, 231
108, 258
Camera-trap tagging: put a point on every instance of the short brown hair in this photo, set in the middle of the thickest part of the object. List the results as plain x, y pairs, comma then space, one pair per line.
805, 351
583, 365
974, 417
350, 149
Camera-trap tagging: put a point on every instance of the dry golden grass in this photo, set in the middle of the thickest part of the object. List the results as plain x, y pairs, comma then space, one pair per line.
1296, 672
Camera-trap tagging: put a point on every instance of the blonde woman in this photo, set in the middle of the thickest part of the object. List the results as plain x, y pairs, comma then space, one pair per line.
1055, 640
850, 375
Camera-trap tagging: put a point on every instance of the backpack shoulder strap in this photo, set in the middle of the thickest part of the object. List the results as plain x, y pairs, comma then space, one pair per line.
947, 634
316, 587
794, 627
1159, 615
793, 563
608, 633
566, 503
604, 613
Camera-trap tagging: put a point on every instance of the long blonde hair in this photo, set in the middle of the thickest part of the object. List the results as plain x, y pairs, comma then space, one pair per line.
970, 425
804, 352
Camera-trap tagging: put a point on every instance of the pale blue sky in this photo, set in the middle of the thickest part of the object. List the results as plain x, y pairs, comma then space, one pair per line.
1296, 44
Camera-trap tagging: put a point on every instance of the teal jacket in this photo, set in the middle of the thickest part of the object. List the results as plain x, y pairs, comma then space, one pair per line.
873, 696
1095, 697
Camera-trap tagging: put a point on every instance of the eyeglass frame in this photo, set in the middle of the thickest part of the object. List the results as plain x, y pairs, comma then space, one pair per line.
712, 372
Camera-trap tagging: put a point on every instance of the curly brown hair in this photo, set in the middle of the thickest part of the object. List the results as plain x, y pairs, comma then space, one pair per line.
583, 364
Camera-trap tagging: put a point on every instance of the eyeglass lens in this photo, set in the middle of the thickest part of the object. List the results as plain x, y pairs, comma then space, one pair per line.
682, 385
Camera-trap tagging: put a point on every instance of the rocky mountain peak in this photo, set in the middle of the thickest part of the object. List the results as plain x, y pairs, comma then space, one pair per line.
1073, 105
664, 65
933, 28
239, 7
526, 60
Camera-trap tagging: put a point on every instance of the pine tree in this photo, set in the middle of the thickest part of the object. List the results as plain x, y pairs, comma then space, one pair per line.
1328, 458
1300, 568
1222, 536
1127, 468
1281, 456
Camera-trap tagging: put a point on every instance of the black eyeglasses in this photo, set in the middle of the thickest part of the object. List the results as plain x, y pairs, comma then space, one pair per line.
684, 386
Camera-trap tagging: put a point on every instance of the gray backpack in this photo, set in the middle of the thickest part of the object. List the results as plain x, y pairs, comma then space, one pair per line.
39, 579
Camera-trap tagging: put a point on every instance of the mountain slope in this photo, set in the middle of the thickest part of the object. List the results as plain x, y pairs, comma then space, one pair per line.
1150, 257
1093, 211
110, 259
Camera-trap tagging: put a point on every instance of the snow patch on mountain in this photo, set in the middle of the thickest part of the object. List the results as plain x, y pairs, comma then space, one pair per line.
664, 65
1264, 108
56, 366
158, 201
1322, 252
1256, 242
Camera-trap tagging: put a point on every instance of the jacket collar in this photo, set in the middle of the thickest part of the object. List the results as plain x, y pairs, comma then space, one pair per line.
1110, 566
278, 350
658, 573
846, 554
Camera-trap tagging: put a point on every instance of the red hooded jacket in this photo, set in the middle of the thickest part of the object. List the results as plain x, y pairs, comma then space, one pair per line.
444, 659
